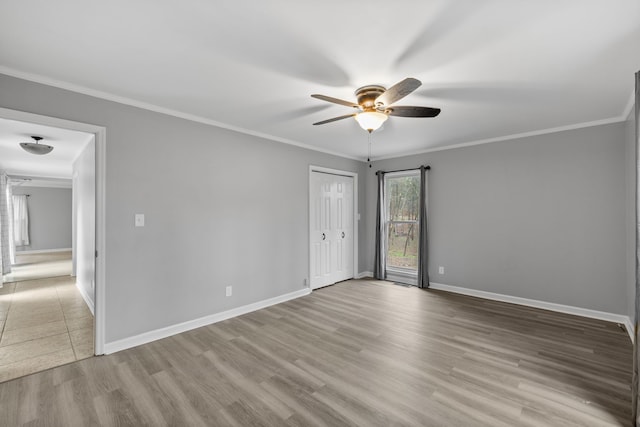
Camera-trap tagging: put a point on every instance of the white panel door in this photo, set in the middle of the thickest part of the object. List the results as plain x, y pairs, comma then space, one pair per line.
320, 235
331, 229
344, 228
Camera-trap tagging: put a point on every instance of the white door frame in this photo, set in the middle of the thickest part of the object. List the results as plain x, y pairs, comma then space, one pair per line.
356, 221
101, 142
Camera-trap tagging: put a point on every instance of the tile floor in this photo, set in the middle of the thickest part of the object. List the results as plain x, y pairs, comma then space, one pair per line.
39, 266
43, 323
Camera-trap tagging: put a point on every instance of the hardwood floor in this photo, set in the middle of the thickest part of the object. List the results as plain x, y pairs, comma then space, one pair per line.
360, 353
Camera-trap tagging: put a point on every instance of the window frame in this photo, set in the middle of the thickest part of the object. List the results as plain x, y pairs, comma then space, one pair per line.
399, 272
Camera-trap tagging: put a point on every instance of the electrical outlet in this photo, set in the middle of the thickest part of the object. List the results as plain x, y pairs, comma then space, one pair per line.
229, 291
139, 220
441, 270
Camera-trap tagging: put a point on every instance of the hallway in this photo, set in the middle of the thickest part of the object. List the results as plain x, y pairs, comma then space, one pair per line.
39, 266
43, 323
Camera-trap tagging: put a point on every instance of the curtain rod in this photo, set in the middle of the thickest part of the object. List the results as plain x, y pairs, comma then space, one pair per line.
427, 167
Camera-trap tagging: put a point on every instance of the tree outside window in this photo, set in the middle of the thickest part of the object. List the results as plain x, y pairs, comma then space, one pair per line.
403, 199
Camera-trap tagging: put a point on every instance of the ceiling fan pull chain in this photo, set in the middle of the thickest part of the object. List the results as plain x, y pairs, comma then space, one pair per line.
369, 157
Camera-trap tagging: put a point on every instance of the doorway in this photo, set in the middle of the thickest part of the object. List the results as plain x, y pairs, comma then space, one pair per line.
46, 317
94, 293
332, 226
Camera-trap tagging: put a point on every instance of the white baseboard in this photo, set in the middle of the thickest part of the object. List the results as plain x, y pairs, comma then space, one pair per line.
364, 274
86, 297
157, 334
42, 251
568, 309
631, 330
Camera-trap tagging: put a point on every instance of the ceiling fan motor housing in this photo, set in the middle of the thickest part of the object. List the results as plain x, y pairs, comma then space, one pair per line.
367, 96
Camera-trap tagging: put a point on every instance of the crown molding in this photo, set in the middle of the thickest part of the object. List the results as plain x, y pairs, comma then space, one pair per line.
36, 78
513, 136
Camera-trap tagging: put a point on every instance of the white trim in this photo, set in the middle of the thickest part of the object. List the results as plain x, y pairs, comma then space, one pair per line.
162, 110
630, 329
628, 110
560, 308
48, 184
364, 274
86, 297
100, 141
100, 290
168, 331
509, 137
331, 171
24, 116
42, 251
356, 214
86, 144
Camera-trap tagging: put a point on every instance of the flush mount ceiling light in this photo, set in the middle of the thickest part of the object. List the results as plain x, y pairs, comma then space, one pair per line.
35, 147
374, 104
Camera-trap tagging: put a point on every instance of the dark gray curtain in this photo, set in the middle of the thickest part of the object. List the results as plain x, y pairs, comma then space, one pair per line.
379, 268
636, 354
423, 242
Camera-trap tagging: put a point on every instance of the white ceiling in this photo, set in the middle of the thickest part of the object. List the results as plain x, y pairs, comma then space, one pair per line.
496, 67
67, 145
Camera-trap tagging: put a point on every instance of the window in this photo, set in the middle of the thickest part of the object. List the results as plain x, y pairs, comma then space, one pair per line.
402, 191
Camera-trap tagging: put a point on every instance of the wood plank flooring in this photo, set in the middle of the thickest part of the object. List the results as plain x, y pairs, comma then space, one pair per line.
362, 353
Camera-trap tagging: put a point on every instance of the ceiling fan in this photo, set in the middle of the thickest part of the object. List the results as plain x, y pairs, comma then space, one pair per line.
375, 104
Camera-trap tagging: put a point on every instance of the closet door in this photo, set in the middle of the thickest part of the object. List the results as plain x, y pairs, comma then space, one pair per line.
331, 229
344, 228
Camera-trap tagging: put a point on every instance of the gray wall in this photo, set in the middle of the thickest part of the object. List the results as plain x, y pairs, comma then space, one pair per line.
49, 217
85, 224
540, 217
222, 208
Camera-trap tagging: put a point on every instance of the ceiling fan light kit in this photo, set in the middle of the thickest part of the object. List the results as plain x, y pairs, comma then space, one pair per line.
374, 104
371, 120
36, 147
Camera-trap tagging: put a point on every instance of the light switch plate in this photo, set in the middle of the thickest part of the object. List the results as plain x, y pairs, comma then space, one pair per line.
139, 220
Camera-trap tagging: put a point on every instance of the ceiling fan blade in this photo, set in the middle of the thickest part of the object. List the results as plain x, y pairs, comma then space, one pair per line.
335, 119
335, 100
408, 111
398, 91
